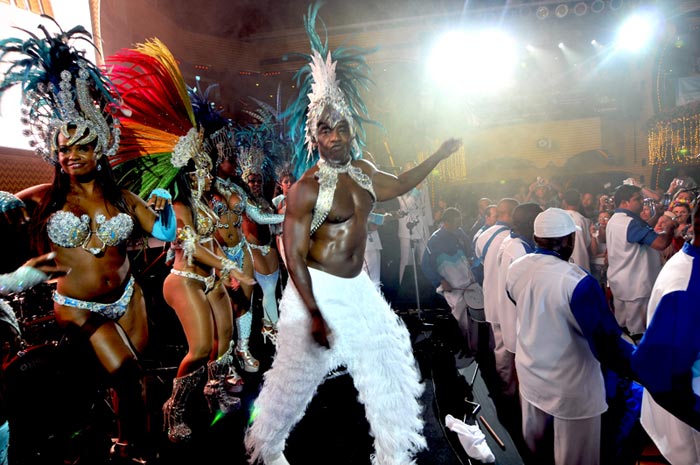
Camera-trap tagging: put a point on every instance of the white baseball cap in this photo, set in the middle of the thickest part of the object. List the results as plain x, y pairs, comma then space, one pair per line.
554, 222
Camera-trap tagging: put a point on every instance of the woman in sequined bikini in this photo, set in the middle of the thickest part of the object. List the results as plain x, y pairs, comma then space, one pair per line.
228, 200
201, 302
83, 216
88, 219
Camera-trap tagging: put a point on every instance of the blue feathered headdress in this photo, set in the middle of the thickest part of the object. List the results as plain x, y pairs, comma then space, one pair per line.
329, 79
61, 88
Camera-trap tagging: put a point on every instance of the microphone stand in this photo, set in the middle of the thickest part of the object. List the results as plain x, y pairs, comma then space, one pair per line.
410, 226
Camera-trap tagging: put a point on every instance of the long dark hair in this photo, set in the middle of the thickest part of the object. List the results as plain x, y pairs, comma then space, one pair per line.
184, 193
183, 189
58, 193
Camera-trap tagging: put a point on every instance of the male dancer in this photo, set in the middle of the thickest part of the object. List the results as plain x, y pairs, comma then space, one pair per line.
331, 313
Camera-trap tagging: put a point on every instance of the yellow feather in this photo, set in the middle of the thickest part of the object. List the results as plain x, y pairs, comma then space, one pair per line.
157, 49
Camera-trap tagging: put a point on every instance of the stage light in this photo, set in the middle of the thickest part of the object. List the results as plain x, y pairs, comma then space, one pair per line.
636, 32
474, 61
561, 10
597, 6
561, 45
530, 48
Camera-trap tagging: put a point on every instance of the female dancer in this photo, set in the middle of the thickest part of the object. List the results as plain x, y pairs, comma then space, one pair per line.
201, 303
228, 200
86, 217
152, 87
259, 238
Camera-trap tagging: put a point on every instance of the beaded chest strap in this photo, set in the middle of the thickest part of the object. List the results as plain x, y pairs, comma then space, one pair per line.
327, 176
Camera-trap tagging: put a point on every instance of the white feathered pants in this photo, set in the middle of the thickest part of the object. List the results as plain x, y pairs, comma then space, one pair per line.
370, 340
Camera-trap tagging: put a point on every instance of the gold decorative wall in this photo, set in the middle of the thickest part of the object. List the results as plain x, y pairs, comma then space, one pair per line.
22, 169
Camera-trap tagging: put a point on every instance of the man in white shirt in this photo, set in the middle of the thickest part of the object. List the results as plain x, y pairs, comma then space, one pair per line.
572, 204
415, 219
373, 248
486, 249
565, 332
634, 260
668, 357
519, 242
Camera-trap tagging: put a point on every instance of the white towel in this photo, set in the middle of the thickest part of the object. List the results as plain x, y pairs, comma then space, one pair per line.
472, 439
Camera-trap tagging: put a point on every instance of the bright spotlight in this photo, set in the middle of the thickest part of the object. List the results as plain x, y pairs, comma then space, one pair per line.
530, 48
636, 32
473, 61
561, 45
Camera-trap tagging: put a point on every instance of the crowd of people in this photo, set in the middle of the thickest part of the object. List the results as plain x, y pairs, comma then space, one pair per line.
556, 286
570, 294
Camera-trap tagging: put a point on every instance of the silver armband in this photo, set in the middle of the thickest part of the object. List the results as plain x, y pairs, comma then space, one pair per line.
9, 202
260, 217
23, 278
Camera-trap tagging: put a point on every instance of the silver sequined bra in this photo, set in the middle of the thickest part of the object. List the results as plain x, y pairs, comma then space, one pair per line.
67, 230
327, 176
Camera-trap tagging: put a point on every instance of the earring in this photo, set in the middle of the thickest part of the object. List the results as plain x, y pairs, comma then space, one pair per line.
63, 171
99, 167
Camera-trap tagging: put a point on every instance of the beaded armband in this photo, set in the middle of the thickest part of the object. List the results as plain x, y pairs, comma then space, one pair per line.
23, 278
9, 202
260, 217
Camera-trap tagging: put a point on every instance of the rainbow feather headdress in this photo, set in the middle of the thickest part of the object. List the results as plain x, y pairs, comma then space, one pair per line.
159, 134
329, 81
61, 89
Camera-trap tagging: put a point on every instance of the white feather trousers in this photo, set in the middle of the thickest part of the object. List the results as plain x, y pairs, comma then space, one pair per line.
370, 340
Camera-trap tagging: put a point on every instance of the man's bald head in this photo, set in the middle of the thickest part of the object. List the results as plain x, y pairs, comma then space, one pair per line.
505, 210
482, 204
524, 218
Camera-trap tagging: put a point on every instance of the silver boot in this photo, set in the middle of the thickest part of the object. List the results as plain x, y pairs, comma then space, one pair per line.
217, 390
175, 407
249, 363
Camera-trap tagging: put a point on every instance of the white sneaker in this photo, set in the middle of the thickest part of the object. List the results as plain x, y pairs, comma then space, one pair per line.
472, 439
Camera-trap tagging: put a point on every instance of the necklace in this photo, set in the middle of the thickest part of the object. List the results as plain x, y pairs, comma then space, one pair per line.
327, 176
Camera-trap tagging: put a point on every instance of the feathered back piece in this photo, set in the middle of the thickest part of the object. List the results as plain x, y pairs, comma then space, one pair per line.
330, 80
159, 133
61, 89
219, 142
264, 145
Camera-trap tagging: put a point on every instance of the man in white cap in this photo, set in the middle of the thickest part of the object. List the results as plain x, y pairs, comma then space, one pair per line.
564, 332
